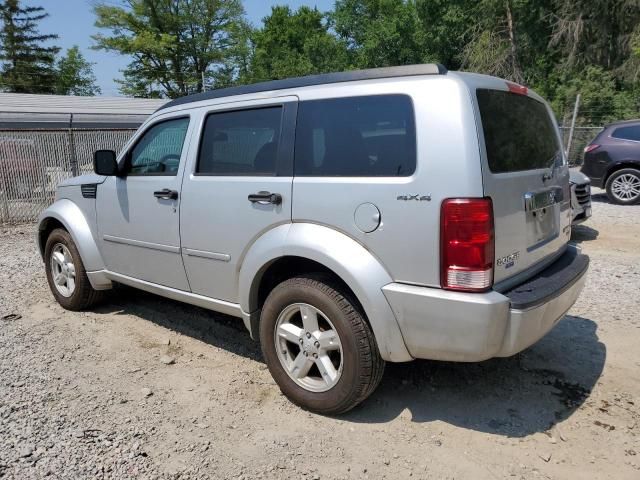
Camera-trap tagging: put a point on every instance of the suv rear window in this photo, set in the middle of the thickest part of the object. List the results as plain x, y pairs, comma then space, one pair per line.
369, 136
627, 133
518, 132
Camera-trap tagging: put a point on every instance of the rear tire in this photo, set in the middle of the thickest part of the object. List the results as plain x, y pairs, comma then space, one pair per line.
623, 186
329, 380
66, 275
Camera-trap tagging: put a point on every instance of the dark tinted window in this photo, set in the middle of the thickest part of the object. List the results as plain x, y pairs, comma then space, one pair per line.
356, 137
159, 149
627, 133
518, 132
242, 142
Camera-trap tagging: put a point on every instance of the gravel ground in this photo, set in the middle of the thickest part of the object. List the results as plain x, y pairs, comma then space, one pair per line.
143, 387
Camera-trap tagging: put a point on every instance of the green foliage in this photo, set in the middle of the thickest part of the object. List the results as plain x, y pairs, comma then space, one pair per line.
75, 75
381, 33
600, 99
446, 28
293, 44
559, 47
27, 64
595, 32
174, 44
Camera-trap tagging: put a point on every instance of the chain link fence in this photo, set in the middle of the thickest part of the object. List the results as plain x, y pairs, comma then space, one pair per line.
33, 162
580, 139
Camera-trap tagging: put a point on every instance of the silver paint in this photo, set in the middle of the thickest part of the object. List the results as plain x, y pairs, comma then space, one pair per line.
211, 247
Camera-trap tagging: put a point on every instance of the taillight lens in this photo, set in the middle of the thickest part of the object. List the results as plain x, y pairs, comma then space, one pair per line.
467, 244
590, 148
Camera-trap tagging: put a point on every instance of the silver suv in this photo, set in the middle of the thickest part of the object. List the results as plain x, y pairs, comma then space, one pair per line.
348, 219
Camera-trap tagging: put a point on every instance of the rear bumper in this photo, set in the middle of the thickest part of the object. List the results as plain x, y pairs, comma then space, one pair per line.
597, 182
595, 177
467, 327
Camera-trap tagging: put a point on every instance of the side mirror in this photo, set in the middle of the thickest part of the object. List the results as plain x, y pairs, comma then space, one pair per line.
104, 162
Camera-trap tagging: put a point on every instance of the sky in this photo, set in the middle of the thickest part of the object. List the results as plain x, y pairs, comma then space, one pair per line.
73, 21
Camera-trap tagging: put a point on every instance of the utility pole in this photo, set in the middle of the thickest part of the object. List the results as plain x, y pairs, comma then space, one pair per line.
573, 125
204, 85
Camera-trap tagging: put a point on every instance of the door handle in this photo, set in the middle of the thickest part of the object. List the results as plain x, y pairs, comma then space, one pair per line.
166, 193
265, 198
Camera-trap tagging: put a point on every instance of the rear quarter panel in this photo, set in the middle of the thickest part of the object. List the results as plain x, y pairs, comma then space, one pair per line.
407, 242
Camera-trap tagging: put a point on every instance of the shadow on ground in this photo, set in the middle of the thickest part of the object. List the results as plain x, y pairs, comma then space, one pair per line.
216, 329
582, 233
514, 397
600, 197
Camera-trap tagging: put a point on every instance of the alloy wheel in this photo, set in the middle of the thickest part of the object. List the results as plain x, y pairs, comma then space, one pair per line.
63, 271
626, 187
308, 347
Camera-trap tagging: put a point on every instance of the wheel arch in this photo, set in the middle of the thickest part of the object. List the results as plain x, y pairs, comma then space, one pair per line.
302, 246
622, 164
66, 214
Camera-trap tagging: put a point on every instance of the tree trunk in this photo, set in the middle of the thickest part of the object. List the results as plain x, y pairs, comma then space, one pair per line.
516, 74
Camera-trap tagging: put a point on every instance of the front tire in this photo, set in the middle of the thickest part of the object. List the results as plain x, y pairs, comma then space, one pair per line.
623, 186
318, 346
66, 275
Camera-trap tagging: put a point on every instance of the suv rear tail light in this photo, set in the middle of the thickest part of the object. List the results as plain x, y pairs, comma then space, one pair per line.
590, 148
466, 244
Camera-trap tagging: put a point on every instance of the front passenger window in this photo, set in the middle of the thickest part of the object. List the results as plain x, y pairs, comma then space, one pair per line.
159, 149
241, 142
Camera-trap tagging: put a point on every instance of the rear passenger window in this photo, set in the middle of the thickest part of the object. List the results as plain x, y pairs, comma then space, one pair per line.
371, 136
627, 133
242, 142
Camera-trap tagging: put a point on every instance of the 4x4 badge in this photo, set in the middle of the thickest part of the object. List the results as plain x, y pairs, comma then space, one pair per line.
418, 197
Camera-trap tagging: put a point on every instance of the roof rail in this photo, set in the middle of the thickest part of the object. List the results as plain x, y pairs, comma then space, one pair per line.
324, 78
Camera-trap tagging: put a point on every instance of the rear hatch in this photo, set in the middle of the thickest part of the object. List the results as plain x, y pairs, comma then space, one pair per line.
526, 177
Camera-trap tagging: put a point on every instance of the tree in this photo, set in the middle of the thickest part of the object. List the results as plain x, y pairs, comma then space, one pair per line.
445, 26
75, 75
27, 64
601, 101
293, 44
596, 32
509, 39
174, 44
381, 33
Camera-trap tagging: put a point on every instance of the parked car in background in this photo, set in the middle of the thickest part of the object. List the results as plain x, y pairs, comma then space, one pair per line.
580, 196
321, 211
612, 161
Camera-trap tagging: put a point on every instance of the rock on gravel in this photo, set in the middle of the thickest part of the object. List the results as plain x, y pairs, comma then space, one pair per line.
167, 360
26, 450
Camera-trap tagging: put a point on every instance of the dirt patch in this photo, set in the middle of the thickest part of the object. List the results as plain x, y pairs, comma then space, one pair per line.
91, 395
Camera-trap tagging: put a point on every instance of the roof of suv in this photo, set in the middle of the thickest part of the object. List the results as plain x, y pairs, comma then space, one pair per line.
322, 79
622, 123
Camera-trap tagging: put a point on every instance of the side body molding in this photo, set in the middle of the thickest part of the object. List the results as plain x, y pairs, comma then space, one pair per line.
345, 257
69, 214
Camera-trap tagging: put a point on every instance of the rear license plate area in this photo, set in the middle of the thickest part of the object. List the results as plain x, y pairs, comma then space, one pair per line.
542, 210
